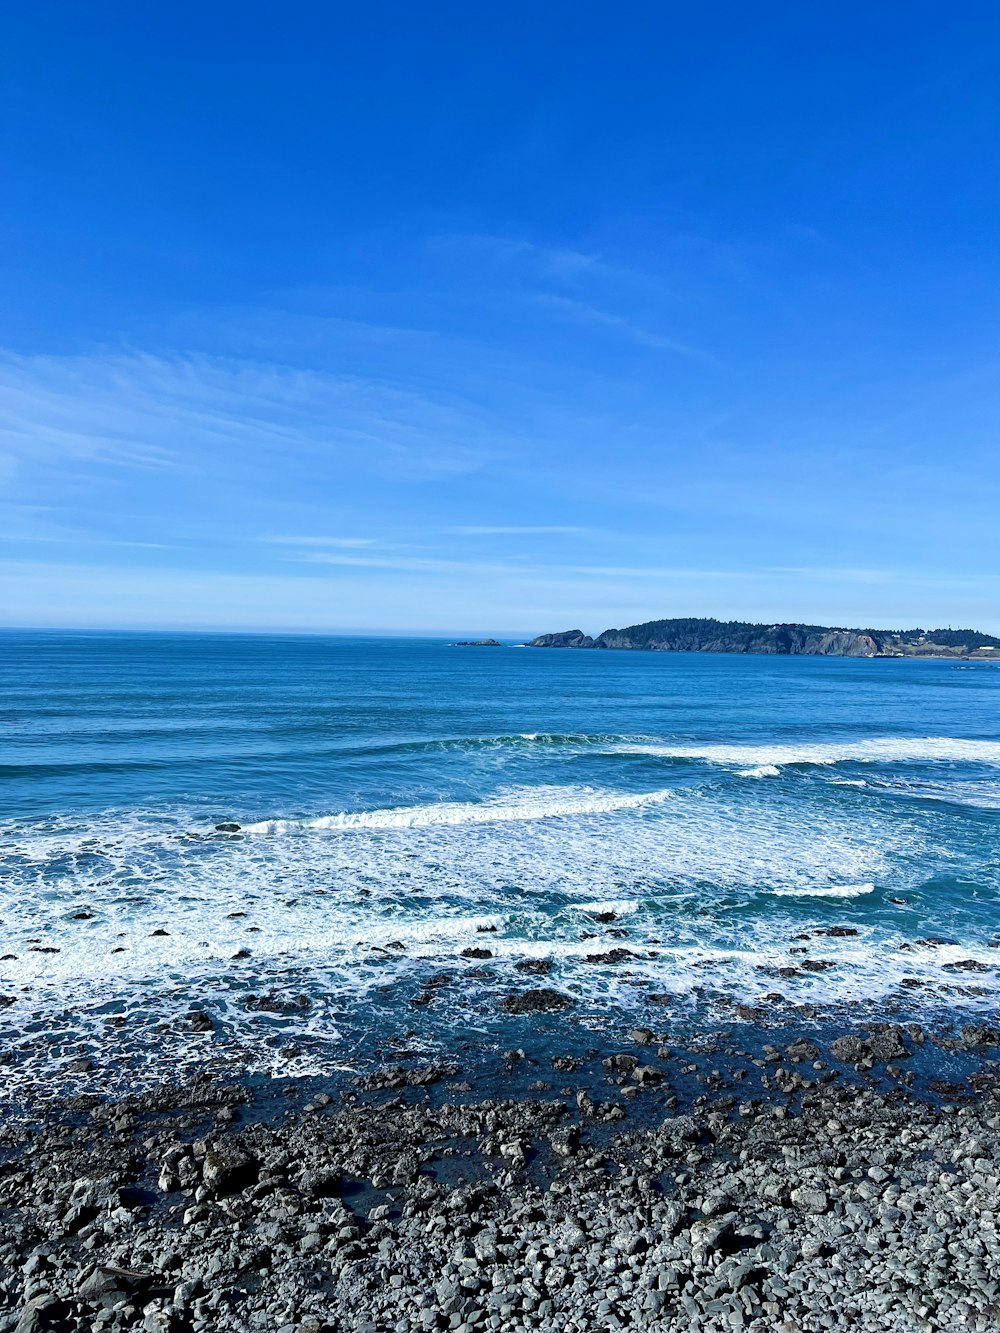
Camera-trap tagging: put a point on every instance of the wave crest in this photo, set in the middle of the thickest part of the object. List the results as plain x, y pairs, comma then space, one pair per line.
524, 804
883, 749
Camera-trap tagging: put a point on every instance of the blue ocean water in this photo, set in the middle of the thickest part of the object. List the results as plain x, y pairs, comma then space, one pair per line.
402, 802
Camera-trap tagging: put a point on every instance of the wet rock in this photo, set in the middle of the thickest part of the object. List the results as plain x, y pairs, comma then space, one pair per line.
624, 1062
849, 1048
473, 952
400, 1076
847, 1207
228, 1168
979, 1034
539, 1000
613, 956
645, 1074
535, 967
227, 827
272, 1003
437, 981
885, 1042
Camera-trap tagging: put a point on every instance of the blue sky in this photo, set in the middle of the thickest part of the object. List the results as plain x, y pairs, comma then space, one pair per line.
499, 318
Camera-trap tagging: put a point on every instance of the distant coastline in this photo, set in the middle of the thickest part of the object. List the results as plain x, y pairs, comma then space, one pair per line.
691, 635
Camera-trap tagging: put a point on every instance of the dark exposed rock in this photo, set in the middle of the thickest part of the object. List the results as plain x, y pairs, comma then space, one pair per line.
228, 1167
885, 1042
980, 1034
848, 1208
539, 1000
616, 955
535, 967
569, 638
417, 1076
848, 1048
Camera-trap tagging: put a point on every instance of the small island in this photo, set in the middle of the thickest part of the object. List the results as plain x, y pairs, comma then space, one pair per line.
478, 643
692, 635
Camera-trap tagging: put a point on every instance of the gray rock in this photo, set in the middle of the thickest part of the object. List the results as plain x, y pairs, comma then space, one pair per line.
809, 1200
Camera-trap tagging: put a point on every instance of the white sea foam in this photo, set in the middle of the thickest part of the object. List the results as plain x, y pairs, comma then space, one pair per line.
715, 880
977, 795
526, 804
886, 749
826, 891
761, 771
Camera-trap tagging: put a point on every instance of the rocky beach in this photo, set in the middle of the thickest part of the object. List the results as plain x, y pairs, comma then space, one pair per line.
826, 1180
380, 987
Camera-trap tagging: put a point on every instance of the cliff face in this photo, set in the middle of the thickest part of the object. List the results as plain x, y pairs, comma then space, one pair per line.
567, 638
689, 635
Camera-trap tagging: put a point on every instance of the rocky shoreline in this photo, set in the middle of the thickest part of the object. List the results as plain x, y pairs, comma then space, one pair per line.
706, 635
813, 1189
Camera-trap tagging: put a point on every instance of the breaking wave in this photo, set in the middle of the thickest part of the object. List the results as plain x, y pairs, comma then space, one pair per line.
825, 891
880, 750
530, 804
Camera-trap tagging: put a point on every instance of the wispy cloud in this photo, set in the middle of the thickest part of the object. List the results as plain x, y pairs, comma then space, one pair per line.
523, 600
513, 530
347, 543
410, 563
53, 407
532, 569
138, 410
583, 312
546, 260
82, 539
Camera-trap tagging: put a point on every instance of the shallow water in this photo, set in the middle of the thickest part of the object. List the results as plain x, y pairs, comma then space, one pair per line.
403, 801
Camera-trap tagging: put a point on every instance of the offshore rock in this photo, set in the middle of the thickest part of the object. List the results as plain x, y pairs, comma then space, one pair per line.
539, 1000
568, 638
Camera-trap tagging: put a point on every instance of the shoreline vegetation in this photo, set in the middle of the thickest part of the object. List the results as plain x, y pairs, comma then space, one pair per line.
686, 635
818, 1190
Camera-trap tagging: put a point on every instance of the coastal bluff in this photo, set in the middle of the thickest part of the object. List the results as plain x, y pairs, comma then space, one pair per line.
689, 635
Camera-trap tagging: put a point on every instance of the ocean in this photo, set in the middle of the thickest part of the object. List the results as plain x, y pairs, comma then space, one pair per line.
417, 822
